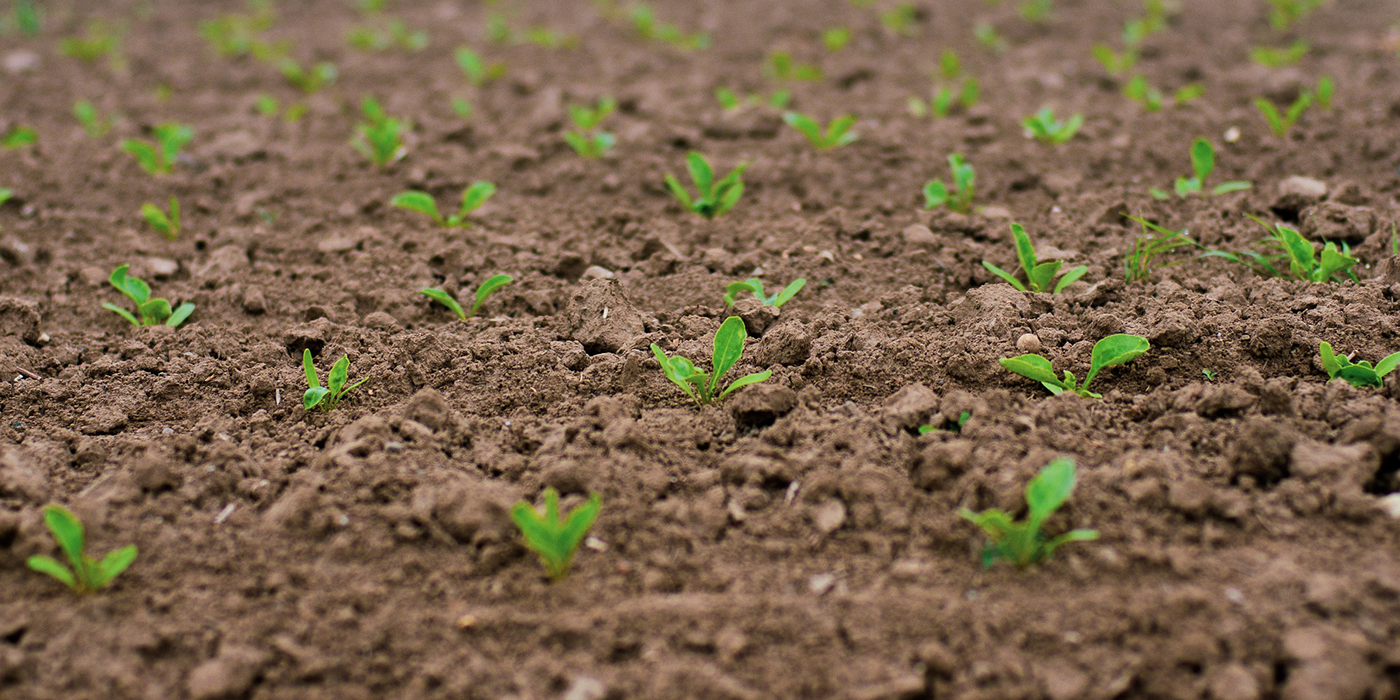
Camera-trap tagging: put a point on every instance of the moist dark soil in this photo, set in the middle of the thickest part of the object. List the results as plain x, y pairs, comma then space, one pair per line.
798, 539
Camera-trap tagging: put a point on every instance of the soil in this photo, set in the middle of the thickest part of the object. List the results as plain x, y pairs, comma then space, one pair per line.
798, 539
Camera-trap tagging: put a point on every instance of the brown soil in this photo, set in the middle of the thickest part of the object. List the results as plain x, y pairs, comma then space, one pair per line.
798, 540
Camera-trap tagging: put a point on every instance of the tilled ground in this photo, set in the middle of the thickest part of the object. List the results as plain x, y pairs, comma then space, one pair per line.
799, 539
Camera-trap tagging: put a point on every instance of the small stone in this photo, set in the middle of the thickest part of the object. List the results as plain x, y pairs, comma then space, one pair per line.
597, 272
1390, 505
1233, 682
1297, 193
919, 234
16, 252
585, 688
821, 583
1028, 343
161, 268
21, 61
829, 516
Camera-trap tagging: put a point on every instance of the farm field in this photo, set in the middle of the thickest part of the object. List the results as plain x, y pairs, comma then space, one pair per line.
808, 535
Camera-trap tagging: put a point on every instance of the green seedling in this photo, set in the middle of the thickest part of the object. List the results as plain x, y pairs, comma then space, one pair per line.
728, 348
1282, 122
587, 139
395, 34
1326, 87
1361, 374
236, 35
1139, 90
19, 137
1115, 62
1210, 374
485, 290
946, 97
497, 29
1022, 543
478, 72
649, 28
87, 575
1110, 352
712, 198
1278, 58
309, 80
552, 536
26, 17
1203, 163
149, 312
936, 194
462, 107
166, 223
93, 123
987, 35
1283, 13
379, 137
836, 39
1036, 11
1039, 275
954, 426
473, 197
837, 133
755, 286
326, 397
269, 107
100, 42
730, 100
782, 68
5, 196
1304, 263
901, 18
159, 156
1045, 128
1154, 241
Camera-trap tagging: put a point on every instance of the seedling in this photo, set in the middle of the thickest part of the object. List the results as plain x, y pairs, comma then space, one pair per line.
93, 123
395, 34
326, 397
960, 92
1038, 275
309, 80
1152, 99
1203, 163
836, 39
712, 198
269, 107
151, 312
236, 35
1282, 122
1360, 374
552, 536
837, 133
1154, 241
87, 575
1036, 11
990, 39
755, 285
728, 348
379, 137
462, 107
901, 18
1045, 128
5, 196
159, 156
1303, 261
482, 292
1115, 62
587, 139
478, 72
1284, 13
99, 42
782, 68
473, 197
19, 137
649, 28
1210, 374
1325, 89
1021, 542
936, 193
730, 100
1277, 58
26, 18
1110, 352
166, 223
955, 426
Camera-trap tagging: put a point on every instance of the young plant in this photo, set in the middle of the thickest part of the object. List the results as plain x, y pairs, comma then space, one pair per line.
379, 137
309, 80
1154, 241
987, 35
478, 72
326, 397
27, 18
5, 195
1278, 58
782, 68
837, 133
728, 348
1325, 89
1140, 91
1361, 374
712, 198
166, 223
1038, 275
587, 139
1111, 351
99, 42
958, 91
552, 536
94, 124
462, 107
87, 575
151, 312
1036, 11
1045, 128
1282, 122
1203, 163
836, 38
900, 19
1303, 261
649, 28
730, 100
19, 137
1022, 543
936, 193
1284, 13
235, 35
482, 292
395, 34
954, 426
159, 156
473, 197
755, 286
1210, 374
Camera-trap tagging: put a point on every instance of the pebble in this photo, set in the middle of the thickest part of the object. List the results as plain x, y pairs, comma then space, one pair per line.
1028, 343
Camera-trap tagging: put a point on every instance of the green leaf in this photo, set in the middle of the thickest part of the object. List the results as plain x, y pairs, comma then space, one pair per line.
155, 311
746, 380
728, 348
1004, 275
935, 194
1360, 376
1330, 363
1388, 364
314, 396
1071, 276
68, 532
554, 538
1202, 159
1231, 186
475, 196
487, 288
1034, 367
340, 373
114, 564
679, 192
1071, 536
421, 202
1049, 490
1043, 274
122, 312
1114, 350
701, 173
790, 291
309, 369
133, 287
180, 314
52, 567
1025, 253
732, 290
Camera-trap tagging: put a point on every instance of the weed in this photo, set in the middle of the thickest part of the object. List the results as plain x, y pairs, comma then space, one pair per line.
326, 397
1303, 261
728, 348
837, 133
1360, 374
159, 156
1154, 241
473, 197
87, 575
1114, 350
755, 285
151, 312
552, 536
1203, 163
485, 290
1022, 543
1281, 122
379, 137
712, 198
1045, 128
166, 223
1038, 275
936, 194
587, 139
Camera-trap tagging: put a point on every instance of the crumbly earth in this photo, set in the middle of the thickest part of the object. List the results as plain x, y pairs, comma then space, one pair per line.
800, 538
